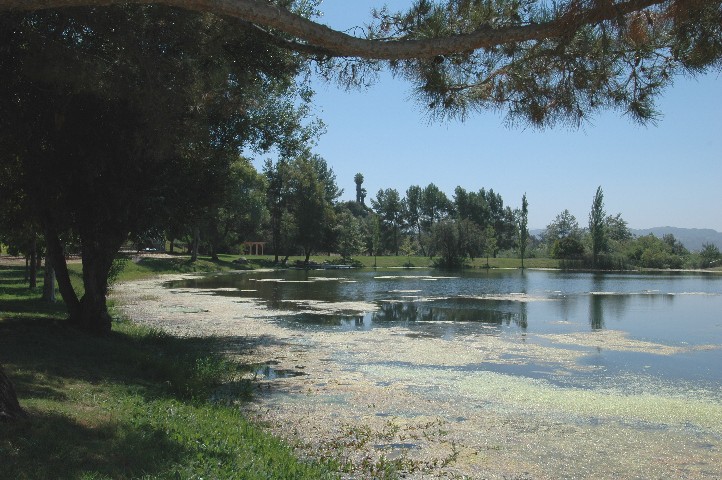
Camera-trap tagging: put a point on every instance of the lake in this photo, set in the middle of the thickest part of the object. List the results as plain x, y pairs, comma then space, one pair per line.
580, 367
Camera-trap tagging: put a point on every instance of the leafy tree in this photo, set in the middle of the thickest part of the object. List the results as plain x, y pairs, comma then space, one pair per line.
350, 236
490, 245
564, 226
97, 134
412, 213
312, 191
597, 227
240, 211
617, 229
523, 222
567, 248
277, 198
433, 206
675, 246
709, 256
649, 251
388, 206
473, 206
448, 242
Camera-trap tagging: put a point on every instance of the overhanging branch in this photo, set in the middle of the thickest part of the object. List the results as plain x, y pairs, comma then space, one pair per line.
320, 38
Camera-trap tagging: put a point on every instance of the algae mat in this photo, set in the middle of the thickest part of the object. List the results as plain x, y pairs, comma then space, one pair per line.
389, 399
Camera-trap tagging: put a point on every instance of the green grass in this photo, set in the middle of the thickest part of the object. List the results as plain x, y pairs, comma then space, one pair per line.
401, 261
134, 404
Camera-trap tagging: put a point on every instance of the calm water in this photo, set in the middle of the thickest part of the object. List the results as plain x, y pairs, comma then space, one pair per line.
683, 310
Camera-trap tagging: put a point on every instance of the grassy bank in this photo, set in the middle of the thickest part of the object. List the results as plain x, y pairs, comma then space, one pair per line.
133, 404
387, 261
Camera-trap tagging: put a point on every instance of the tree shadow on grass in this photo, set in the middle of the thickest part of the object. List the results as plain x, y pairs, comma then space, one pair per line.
126, 431
30, 449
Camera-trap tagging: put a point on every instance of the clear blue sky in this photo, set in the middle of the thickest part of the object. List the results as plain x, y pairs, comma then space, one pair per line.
664, 175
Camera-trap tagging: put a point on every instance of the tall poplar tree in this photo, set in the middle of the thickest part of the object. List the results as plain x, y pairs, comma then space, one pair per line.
523, 222
597, 226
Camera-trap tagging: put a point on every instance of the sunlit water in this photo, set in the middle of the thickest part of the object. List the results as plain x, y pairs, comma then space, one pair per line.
645, 349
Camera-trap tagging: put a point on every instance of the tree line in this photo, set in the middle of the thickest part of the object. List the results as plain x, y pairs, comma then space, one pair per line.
607, 243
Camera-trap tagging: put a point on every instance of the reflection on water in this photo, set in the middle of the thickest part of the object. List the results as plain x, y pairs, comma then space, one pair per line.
664, 309
538, 300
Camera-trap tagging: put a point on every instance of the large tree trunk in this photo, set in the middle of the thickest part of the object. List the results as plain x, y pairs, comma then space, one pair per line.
9, 407
56, 255
196, 243
98, 256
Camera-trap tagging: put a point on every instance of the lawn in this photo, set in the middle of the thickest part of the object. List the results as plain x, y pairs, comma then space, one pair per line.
133, 404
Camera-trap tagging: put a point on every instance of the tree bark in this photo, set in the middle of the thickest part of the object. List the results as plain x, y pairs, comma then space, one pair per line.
49, 281
10, 408
98, 256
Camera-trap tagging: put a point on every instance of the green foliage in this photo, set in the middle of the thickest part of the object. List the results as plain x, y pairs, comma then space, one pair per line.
710, 256
621, 63
349, 235
389, 207
567, 248
597, 226
652, 252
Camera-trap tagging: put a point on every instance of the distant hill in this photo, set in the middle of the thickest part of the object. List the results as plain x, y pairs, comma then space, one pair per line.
691, 238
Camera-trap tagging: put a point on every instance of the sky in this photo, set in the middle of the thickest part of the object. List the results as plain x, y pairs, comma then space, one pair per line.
668, 174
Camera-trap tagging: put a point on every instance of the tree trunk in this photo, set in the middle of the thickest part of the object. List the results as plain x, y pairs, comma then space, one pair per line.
49, 282
33, 282
9, 407
196, 242
98, 256
56, 255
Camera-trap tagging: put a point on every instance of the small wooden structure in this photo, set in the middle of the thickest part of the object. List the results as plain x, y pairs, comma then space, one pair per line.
253, 247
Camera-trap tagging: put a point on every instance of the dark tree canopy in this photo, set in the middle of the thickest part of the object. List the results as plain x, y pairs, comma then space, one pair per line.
117, 122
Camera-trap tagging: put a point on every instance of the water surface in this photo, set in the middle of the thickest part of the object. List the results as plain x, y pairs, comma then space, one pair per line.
561, 374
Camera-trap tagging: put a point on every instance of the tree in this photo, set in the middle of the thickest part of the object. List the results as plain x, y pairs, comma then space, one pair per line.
523, 222
597, 226
448, 242
544, 63
350, 238
360, 191
433, 206
388, 206
312, 191
411, 206
98, 136
617, 228
240, 210
489, 243
565, 225
709, 256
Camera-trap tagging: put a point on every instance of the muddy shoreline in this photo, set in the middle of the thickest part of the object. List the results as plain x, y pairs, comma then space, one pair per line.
380, 399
